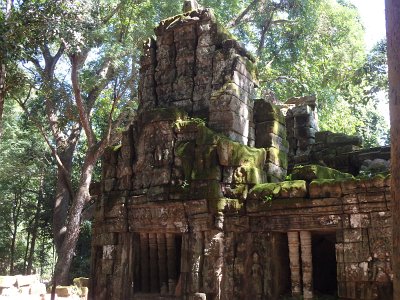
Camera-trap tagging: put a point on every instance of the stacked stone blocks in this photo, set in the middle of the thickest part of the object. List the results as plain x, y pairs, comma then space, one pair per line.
271, 134
190, 210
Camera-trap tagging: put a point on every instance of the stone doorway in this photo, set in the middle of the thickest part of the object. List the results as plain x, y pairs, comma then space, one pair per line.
324, 263
157, 265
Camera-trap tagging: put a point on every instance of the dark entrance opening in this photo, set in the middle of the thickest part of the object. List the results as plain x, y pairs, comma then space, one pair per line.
178, 251
280, 266
157, 264
324, 263
278, 282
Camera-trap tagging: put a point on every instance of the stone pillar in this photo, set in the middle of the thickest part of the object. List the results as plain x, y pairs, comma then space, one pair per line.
294, 258
197, 248
144, 262
154, 285
183, 288
306, 263
171, 262
162, 262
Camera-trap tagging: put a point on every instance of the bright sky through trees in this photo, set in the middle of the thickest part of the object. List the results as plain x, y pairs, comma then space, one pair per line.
372, 14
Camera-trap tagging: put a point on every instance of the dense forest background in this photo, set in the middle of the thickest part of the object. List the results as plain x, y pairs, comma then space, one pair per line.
68, 84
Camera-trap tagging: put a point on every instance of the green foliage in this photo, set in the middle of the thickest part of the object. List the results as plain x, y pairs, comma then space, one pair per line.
309, 47
25, 182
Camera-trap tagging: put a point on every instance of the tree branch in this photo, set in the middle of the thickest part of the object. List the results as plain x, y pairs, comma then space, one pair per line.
53, 150
51, 61
101, 84
83, 115
112, 13
238, 20
282, 21
265, 28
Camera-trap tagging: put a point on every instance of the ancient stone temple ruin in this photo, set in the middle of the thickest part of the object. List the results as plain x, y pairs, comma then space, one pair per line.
214, 194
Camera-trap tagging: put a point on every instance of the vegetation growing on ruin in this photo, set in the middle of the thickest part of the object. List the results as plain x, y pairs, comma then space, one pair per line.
45, 143
203, 157
312, 172
285, 189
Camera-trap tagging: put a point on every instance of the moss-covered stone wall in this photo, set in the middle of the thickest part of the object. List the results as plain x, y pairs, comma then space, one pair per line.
196, 65
190, 209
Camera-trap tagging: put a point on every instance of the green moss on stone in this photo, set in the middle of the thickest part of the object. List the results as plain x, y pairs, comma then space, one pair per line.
228, 88
235, 154
264, 191
206, 136
285, 189
251, 68
203, 157
278, 157
188, 122
321, 182
249, 175
294, 184
240, 191
225, 204
312, 172
186, 152
206, 165
223, 34
211, 191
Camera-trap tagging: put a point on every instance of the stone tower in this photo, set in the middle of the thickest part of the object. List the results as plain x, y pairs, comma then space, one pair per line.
194, 204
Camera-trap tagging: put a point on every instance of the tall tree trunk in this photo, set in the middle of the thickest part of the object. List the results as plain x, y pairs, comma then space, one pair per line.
81, 198
392, 8
42, 255
15, 222
12, 250
62, 201
35, 228
28, 239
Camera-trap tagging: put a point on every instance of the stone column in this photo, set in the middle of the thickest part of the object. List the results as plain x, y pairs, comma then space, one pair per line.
154, 285
306, 262
184, 278
144, 262
162, 262
197, 248
294, 258
171, 262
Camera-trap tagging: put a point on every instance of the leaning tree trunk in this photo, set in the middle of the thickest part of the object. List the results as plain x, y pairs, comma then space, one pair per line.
393, 53
63, 192
81, 198
61, 204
